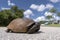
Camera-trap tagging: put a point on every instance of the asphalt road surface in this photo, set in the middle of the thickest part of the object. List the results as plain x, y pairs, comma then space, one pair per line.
45, 33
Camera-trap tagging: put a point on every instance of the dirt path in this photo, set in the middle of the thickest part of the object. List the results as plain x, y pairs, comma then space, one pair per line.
46, 33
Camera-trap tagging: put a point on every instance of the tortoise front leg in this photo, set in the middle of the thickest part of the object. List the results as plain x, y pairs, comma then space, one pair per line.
34, 28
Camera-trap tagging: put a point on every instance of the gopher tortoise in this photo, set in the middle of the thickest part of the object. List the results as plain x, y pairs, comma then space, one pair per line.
23, 25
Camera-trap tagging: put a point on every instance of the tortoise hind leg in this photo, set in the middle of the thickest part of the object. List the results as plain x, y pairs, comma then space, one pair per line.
8, 30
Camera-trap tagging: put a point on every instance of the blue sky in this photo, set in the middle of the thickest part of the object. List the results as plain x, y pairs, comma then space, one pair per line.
34, 9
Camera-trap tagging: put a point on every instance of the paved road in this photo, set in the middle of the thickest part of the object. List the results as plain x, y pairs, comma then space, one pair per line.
46, 33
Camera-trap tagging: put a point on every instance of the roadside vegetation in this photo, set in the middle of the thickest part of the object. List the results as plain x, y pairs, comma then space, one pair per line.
53, 25
6, 16
54, 22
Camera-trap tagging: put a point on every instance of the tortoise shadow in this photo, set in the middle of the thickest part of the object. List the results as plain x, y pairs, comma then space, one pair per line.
27, 33
38, 32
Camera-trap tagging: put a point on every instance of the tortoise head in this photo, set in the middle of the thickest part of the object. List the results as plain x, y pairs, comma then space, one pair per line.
33, 27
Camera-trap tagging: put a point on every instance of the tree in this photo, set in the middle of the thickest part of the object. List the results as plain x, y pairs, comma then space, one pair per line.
53, 10
42, 22
58, 14
48, 17
6, 16
17, 11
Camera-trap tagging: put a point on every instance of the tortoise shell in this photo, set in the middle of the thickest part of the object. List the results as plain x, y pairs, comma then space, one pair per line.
23, 25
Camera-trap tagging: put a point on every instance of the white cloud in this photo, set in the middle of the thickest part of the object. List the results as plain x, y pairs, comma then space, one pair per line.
27, 16
55, 1
49, 6
27, 13
10, 4
38, 7
38, 19
41, 7
33, 6
48, 14
54, 15
57, 18
5, 8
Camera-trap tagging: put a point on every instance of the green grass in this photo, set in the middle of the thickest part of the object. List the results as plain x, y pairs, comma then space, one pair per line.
54, 25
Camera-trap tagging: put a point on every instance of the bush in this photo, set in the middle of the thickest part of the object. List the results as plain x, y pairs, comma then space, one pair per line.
6, 16
42, 22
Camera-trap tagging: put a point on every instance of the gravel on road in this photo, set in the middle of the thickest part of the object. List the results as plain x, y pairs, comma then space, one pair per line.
45, 33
